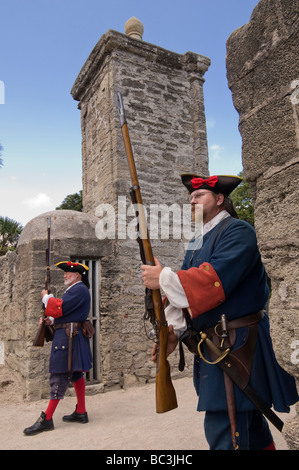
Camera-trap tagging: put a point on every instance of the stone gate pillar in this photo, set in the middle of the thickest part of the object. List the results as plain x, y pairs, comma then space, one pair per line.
163, 97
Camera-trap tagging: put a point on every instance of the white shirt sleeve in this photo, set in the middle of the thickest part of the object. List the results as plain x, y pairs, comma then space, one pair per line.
175, 294
170, 283
175, 317
46, 298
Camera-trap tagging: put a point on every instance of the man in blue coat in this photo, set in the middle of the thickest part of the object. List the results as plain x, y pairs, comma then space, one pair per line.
70, 354
222, 274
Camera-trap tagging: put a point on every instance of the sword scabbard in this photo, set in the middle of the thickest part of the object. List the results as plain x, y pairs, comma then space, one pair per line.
239, 375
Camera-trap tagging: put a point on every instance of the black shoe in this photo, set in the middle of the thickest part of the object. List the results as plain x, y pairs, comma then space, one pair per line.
40, 425
76, 417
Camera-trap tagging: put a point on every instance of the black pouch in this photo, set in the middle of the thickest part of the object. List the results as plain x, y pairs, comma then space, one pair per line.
191, 339
49, 333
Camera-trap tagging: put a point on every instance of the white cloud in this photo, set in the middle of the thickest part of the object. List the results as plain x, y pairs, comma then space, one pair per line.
210, 124
40, 201
215, 151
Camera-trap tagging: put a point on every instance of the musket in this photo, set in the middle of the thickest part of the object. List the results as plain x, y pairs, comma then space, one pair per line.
165, 392
45, 331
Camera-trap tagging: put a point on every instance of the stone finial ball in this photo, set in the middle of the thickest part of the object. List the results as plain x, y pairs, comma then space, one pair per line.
134, 28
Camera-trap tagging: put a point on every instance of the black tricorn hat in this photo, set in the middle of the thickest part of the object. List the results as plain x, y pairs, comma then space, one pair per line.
73, 267
223, 184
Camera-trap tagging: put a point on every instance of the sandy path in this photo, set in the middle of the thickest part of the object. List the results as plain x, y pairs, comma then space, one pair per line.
118, 420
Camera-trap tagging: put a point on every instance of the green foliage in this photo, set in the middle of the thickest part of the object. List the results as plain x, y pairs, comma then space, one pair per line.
10, 231
242, 201
72, 202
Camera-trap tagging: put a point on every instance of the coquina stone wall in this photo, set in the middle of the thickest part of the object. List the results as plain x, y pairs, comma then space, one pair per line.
263, 75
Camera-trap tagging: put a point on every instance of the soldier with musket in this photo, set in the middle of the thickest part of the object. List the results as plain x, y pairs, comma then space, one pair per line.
70, 354
219, 295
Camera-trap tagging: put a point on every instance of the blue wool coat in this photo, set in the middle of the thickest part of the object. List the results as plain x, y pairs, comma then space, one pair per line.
74, 306
230, 255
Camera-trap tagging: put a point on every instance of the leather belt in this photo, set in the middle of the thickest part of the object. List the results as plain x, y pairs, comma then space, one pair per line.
191, 337
247, 320
88, 329
65, 325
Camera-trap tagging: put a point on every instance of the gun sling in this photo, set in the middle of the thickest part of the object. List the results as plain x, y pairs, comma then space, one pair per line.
236, 365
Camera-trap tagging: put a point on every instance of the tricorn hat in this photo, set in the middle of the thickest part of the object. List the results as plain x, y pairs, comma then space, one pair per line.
73, 267
223, 184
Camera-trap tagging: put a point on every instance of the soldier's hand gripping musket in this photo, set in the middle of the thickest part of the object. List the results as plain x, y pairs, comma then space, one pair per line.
45, 331
165, 393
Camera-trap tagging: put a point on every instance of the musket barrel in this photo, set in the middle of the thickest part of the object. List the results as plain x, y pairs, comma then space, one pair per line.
45, 331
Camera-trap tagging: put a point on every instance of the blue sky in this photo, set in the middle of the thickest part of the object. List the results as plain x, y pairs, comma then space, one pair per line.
44, 44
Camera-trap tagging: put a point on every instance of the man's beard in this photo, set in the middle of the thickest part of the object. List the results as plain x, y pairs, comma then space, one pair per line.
197, 213
69, 282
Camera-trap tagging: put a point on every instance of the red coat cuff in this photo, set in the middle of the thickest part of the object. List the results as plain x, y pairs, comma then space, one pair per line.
54, 308
202, 287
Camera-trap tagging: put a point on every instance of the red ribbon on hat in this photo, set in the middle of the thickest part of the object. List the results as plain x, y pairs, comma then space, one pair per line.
69, 263
198, 182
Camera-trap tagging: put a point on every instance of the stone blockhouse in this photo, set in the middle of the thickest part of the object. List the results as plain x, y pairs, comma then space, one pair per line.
163, 97
263, 75
23, 277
